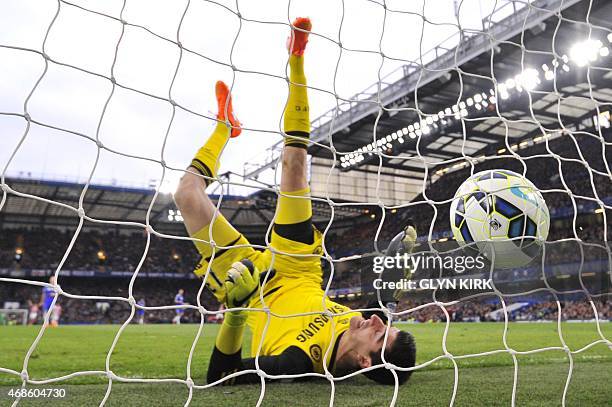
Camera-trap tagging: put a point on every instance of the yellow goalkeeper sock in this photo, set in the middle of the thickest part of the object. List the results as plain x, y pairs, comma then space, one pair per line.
297, 115
290, 210
229, 338
206, 160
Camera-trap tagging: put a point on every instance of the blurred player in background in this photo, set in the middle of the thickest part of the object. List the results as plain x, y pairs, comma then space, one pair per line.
56, 314
34, 307
179, 300
48, 294
140, 313
219, 316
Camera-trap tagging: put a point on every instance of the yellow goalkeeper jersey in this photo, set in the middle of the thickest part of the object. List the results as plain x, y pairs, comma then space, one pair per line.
296, 290
314, 333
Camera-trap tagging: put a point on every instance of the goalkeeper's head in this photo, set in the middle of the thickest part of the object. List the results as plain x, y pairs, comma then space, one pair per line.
365, 339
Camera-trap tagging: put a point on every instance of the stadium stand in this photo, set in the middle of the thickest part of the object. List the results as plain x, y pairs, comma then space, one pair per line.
40, 246
156, 292
542, 172
35, 234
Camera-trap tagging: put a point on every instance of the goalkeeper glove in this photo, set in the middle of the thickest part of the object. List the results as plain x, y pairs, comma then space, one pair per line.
241, 284
409, 240
215, 286
403, 243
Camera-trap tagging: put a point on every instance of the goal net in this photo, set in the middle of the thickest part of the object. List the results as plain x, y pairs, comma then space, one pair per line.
521, 86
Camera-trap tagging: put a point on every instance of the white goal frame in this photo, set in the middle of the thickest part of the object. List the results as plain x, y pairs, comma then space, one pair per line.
24, 313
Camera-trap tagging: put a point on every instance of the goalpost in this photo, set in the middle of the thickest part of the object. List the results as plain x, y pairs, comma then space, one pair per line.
13, 316
330, 175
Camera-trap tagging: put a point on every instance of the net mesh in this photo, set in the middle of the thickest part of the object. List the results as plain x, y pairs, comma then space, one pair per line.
344, 106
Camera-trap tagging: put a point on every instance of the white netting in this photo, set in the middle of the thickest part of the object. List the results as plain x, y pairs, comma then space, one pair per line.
449, 58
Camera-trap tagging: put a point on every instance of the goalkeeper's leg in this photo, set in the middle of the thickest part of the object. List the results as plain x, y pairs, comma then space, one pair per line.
294, 209
196, 207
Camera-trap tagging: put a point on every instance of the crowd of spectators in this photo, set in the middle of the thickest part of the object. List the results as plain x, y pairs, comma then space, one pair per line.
491, 311
45, 248
573, 310
556, 181
154, 292
123, 250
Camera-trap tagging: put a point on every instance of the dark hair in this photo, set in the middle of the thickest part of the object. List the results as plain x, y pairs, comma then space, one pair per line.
402, 353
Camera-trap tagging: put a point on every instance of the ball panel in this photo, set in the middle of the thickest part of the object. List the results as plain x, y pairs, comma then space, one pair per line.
531, 228
516, 227
461, 205
505, 208
458, 220
465, 233
496, 226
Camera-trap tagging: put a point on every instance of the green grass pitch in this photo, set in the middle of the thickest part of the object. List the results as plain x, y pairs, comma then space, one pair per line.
161, 351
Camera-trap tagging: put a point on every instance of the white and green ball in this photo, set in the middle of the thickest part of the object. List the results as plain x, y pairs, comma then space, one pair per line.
503, 215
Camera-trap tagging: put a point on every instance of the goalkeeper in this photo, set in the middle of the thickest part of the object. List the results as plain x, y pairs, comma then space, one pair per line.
290, 345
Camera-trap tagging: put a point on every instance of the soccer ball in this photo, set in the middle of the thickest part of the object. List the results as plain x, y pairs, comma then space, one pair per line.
502, 215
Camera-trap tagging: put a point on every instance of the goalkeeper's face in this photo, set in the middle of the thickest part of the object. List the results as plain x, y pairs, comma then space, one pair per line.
367, 337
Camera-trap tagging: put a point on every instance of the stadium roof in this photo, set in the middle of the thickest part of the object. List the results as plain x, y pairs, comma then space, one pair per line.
251, 214
438, 88
100, 202
447, 100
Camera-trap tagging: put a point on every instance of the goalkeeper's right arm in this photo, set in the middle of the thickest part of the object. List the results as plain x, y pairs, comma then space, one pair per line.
292, 361
226, 358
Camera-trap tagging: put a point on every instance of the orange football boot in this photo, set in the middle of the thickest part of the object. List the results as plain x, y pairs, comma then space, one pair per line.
296, 43
223, 93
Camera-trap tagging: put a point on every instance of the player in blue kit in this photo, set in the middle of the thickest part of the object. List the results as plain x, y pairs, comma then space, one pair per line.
48, 294
179, 300
140, 313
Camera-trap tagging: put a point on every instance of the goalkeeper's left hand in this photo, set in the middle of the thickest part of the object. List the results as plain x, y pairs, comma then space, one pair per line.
241, 284
403, 243
409, 240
